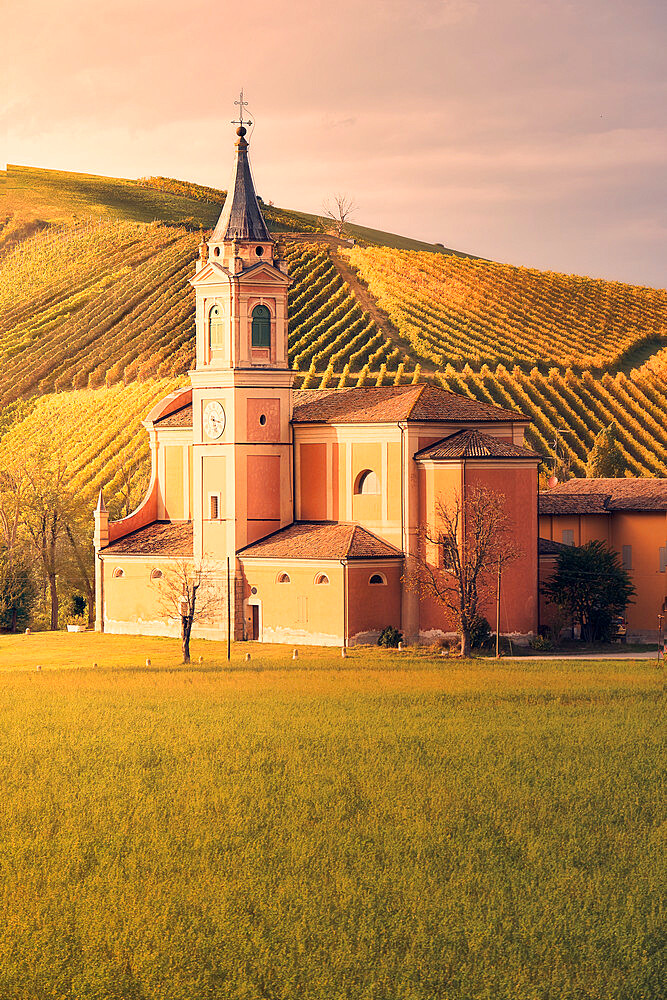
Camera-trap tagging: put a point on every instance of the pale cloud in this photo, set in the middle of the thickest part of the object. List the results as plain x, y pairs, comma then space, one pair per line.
525, 130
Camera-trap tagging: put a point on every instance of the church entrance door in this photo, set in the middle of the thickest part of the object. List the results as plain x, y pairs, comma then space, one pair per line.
255, 621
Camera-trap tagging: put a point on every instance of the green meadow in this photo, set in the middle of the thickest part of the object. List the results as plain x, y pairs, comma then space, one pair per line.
382, 826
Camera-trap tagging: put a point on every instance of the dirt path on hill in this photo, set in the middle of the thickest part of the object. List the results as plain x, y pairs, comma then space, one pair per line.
369, 303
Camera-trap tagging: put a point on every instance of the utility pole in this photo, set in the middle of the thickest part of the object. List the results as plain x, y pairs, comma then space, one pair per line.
498, 610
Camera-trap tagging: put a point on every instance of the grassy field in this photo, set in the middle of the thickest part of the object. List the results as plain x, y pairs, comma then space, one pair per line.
386, 826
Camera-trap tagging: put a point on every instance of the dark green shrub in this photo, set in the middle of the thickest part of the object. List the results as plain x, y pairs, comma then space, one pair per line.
390, 637
541, 642
78, 604
480, 632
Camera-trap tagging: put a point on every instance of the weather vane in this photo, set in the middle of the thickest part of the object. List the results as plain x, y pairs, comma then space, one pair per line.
242, 104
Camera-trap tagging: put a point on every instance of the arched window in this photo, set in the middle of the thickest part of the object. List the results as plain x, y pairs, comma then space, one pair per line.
118, 572
321, 578
283, 578
261, 327
156, 574
367, 482
215, 328
378, 578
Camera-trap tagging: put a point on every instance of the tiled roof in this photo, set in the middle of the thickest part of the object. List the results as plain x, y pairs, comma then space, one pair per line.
161, 538
589, 503
179, 418
389, 404
548, 547
474, 444
376, 404
593, 496
321, 540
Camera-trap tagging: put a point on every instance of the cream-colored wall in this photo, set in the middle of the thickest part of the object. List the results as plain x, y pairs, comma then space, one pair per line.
134, 597
136, 605
172, 447
282, 604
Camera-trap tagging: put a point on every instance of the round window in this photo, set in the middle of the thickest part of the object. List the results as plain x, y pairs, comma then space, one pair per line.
253, 590
262, 419
259, 251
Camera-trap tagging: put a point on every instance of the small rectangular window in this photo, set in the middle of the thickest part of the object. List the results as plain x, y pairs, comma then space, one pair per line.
568, 536
663, 559
215, 506
627, 557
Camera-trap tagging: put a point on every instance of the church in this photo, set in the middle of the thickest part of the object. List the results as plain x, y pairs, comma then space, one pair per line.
301, 507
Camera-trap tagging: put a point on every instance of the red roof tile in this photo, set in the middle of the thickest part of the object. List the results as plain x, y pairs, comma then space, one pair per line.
589, 503
376, 404
321, 540
474, 444
604, 495
389, 404
161, 538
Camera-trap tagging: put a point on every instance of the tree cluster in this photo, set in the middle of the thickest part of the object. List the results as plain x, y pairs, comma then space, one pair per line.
45, 534
592, 587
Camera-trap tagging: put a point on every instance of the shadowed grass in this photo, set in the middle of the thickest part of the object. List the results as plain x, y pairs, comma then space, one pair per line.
382, 826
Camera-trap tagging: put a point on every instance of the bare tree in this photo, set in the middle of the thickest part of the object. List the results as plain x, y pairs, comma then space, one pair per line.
51, 511
461, 554
188, 590
12, 484
339, 209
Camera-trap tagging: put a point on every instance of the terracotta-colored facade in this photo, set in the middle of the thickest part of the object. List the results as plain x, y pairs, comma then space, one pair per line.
314, 499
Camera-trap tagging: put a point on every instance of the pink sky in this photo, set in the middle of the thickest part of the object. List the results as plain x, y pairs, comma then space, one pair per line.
527, 131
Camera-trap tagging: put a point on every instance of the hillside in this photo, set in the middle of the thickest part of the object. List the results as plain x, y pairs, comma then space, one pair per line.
96, 322
456, 310
32, 199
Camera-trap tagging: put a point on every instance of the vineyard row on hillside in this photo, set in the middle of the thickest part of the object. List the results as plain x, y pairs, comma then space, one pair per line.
454, 310
97, 305
103, 442
94, 305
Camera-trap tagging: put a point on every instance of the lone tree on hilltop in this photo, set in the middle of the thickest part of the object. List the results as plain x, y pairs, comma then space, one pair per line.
592, 587
461, 556
339, 209
606, 460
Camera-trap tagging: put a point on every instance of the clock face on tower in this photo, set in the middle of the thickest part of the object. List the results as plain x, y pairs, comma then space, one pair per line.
214, 419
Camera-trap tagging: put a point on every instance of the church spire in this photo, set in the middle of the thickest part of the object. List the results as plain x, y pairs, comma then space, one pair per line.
241, 218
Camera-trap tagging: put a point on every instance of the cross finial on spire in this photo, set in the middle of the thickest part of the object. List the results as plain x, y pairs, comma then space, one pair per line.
242, 104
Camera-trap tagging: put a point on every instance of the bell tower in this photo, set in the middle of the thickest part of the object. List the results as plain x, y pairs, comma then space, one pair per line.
241, 382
